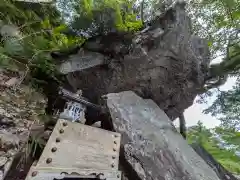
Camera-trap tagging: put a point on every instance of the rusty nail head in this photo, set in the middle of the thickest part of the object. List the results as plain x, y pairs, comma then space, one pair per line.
113, 165
49, 160
65, 124
114, 149
35, 163
61, 131
115, 142
54, 149
115, 135
118, 176
57, 139
113, 157
34, 173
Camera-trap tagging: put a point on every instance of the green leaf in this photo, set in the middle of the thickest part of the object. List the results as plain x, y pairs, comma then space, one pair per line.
210, 43
60, 28
46, 24
236, 15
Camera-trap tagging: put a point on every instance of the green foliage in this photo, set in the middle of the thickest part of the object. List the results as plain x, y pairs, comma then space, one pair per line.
43, 28
198, 134
215, 20
101, 16
40, 31
43, 25
230, 64
218, 21
230, 134
227, 157
27, 16
227, 107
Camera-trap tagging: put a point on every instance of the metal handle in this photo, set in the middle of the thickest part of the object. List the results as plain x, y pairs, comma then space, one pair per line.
73, 97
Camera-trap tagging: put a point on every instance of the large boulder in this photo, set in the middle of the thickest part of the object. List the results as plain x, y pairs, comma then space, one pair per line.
151, 146
164, 62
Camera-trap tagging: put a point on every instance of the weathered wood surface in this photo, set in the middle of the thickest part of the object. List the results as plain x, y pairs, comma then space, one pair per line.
153, 149
82, 147
222, 173
74, 149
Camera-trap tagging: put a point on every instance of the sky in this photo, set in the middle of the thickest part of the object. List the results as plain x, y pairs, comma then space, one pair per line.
194, 113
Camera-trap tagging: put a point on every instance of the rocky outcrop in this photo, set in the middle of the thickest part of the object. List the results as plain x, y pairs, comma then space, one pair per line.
19, 110
164, 62
152, 147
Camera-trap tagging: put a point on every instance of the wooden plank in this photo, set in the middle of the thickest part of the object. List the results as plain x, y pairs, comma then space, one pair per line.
81, 147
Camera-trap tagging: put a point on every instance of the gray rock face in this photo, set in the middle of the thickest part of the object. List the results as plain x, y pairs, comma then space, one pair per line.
18, 111
88, 60
165, 63
152, 147
8, 140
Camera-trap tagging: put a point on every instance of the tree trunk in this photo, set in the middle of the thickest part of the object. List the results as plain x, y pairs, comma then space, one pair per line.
163, 62
153, 149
